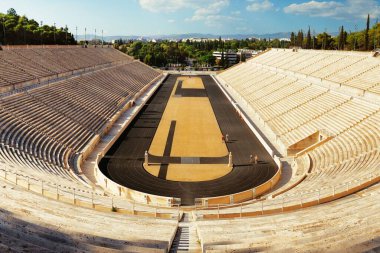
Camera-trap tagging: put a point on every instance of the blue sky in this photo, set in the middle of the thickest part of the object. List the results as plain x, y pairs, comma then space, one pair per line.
151, 17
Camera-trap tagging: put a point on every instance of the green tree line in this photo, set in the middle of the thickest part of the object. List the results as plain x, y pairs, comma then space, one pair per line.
364, 40
163, 53
20, 30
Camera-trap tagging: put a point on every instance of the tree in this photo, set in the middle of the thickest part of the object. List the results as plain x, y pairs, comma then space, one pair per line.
208, 59
342, 38
16, 30
376, 34
308, 39
324, 41
223, 60
243, 57
314, 41
134, 49
2, 29
366, 35
292, 39
148, 59
12, 12
300, 38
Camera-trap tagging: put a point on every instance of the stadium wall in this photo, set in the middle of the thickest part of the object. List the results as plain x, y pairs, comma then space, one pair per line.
244, 196
86, 201
108, 142
333, 193
253, 116
125, 105
221, 83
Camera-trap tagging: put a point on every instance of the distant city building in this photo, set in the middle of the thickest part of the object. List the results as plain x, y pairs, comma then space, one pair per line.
199, 39
248, 53
255, 39
118, 41
206, 39
231, 56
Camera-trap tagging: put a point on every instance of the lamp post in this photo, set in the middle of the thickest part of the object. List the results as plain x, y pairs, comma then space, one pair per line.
356, 29
66, 34
102, 38
3, 19
41, 33
54, 35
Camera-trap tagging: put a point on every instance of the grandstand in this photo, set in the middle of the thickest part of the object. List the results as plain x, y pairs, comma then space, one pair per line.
76, 122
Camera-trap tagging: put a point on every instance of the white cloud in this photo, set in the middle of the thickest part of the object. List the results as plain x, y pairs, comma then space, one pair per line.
207, 11
212, 9
212, 20
216, 20
176, 5
165, 5
171, 20
259, 5
339, 10
211, 13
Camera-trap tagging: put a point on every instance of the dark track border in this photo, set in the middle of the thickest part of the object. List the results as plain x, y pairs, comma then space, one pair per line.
137, 138
179, 91
169, 143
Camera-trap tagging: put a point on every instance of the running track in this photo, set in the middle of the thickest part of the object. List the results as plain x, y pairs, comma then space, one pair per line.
123, 162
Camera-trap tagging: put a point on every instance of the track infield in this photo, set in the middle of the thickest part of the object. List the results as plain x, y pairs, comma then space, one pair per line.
193, 174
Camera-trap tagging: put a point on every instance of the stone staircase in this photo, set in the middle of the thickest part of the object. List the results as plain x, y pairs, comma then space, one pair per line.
186, 238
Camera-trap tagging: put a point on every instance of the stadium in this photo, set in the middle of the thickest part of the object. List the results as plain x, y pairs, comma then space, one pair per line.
100, 152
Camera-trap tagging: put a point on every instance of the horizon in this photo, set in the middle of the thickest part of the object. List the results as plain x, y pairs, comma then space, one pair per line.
184, 36
214, 17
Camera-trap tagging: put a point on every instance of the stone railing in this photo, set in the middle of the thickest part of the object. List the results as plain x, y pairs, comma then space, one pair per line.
87, 198
289, 203
243, 196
